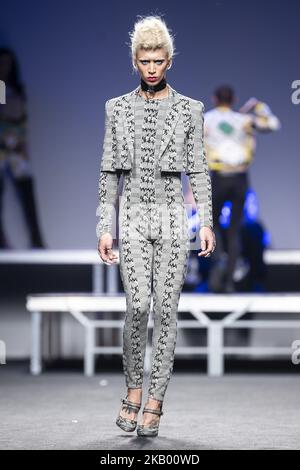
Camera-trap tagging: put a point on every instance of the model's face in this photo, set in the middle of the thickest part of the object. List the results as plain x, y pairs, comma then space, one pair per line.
152, 64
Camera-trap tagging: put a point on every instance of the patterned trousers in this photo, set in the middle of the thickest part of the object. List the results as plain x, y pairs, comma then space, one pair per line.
154, 248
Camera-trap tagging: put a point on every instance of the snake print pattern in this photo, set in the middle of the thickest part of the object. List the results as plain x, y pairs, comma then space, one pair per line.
154, 239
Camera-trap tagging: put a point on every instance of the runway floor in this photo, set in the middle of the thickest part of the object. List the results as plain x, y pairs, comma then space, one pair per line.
67, 411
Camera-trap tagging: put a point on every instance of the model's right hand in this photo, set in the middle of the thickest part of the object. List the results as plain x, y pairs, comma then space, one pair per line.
208, 241
105, 249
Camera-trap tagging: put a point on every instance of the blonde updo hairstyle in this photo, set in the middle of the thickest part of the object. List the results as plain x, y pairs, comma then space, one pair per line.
150, 33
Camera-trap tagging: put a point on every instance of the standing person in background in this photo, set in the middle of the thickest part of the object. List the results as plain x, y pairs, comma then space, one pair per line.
14, 159
230, 144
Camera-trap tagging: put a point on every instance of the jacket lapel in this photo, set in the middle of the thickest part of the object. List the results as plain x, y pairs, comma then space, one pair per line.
172, 116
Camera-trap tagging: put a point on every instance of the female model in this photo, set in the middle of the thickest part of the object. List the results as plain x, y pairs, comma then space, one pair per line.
152, 134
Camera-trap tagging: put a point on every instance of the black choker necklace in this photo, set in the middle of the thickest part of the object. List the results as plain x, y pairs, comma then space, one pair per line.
153, 88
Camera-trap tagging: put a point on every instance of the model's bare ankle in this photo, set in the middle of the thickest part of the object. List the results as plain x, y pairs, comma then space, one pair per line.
135, 394
150, 418
154, 403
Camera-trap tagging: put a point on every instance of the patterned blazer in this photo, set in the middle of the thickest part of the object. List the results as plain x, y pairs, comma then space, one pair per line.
181, 148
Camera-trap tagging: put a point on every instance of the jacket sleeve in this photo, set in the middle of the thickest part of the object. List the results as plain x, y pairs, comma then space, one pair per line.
197, 167
263, 119
108, 180
109, 157
106, 210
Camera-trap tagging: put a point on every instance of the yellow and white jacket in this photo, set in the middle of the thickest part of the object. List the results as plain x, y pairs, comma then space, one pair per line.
230, 135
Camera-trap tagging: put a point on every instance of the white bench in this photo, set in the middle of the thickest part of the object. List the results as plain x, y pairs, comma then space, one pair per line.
91, 258
234, 306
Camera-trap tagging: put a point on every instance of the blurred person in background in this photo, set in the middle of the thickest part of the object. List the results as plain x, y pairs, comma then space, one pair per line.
14, 159
230, 145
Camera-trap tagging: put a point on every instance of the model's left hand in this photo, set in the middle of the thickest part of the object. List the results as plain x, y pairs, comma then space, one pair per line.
208, 241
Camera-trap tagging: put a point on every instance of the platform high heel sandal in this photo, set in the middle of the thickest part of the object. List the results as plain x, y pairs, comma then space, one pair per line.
149, 430
128, 424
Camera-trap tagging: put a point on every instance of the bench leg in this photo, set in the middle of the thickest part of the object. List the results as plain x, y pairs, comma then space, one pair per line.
36, 353
98, 278
89, 355
215, 349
